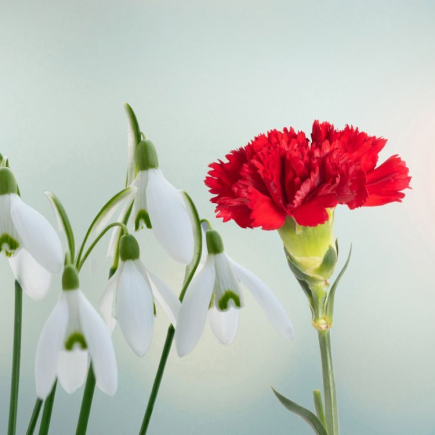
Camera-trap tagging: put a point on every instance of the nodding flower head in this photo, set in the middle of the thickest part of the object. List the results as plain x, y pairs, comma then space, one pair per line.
216, 292
73, 333
26, 237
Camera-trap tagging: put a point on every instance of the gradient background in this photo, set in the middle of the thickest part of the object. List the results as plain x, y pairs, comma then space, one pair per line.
205, 77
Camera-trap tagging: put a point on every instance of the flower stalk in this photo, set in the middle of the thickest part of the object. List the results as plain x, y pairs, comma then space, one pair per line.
329, 383
16, 357
190, 272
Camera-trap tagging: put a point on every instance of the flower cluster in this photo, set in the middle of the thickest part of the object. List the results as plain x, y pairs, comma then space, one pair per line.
283, 173
75, 334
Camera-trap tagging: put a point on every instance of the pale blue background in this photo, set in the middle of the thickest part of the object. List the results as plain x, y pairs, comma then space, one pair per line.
205, 77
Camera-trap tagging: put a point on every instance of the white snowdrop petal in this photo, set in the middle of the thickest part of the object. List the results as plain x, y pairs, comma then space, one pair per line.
7, 227
169, 217
34, 279
72, 369
224, 324
140, 204
106, 303
267, 300
164, 295
38, 236
100, 346
194, 309
50, 343
135, 308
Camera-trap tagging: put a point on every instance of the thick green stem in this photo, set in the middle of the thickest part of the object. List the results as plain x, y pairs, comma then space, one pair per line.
329, 383
157, 380
34, 417
46, 413
16, 356
85, 409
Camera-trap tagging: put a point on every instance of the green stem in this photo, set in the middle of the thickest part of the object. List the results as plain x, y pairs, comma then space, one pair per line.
329, 383
157, 380
164, 358
46, 413
34, 417
16, 356
85, 409
80, 263
88, 395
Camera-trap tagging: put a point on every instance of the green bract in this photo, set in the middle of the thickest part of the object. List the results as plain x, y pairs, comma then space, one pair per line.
70, 278
311, 251
129, 248
214, 242
146, 156
8, 184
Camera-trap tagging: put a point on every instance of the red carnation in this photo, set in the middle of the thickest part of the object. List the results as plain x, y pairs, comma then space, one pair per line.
285, 174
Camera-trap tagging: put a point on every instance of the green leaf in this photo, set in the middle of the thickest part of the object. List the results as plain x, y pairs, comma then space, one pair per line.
197, 234
329, 310
134, 137
63, 221
105, 214
304, 413
301, 277
319, 407
328, 263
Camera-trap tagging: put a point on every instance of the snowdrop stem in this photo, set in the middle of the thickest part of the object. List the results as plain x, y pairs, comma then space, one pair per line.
88, 395
190, 272
85, 409
46, 413
329, 383
34, 417
16, 356
80, 262
157, 380
163, 359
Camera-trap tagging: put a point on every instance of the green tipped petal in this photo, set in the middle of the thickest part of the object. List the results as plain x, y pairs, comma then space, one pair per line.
129, 248
142, 217
8, 184
8, 244
226, 298
146, 156
215, 244
76, 338
70, 278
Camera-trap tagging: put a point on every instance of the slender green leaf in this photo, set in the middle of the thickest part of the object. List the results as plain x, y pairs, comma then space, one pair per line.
105, 214
134, 137
329, 310
63, 221
319, 406
197, 234
304, 413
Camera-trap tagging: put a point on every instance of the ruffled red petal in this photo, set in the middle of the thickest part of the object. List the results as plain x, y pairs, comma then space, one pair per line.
282, 173
385, 183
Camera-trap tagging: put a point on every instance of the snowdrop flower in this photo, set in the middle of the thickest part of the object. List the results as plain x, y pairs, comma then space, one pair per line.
27, 238
216, 291
128, 298
73, 332
161, 206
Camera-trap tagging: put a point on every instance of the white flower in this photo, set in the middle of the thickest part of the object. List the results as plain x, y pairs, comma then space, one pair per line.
27, 238
161, 206
216, 291
73, 332
128, 298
